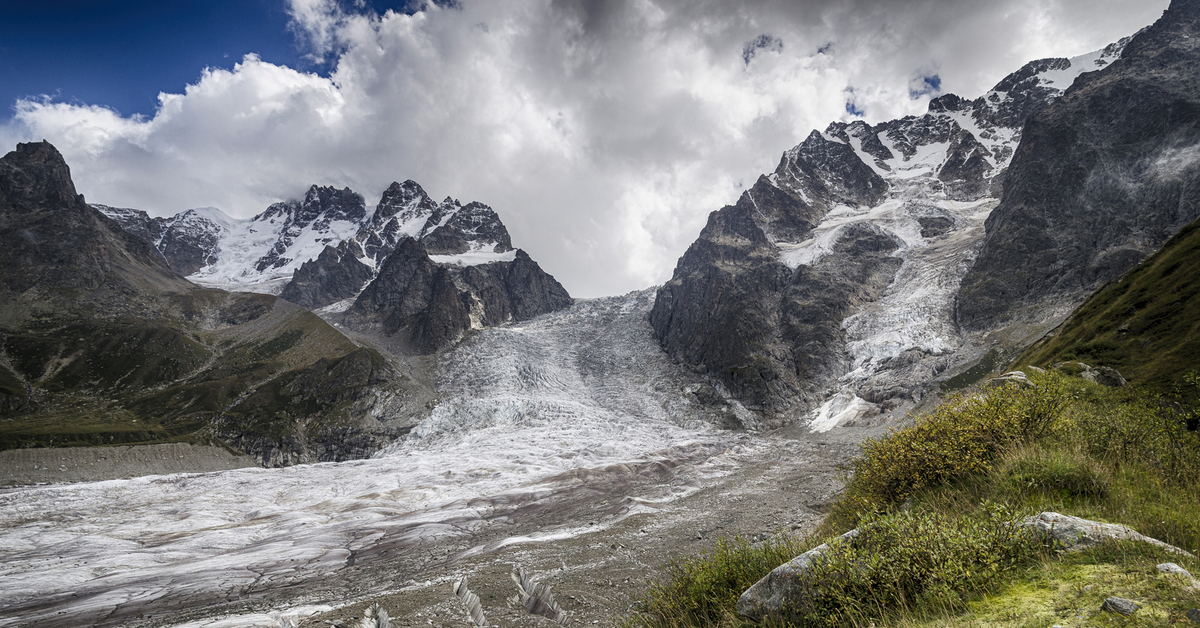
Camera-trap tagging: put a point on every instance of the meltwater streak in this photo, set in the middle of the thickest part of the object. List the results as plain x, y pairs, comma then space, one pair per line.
533, 415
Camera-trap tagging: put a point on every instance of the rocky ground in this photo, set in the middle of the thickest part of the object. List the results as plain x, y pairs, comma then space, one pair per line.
597, 547
79, 464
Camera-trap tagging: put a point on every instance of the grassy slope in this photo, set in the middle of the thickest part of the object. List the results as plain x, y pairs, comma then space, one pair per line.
1067, 446
133, 380
1146, 324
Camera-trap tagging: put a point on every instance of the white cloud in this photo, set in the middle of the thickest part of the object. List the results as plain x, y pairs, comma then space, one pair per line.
602, 132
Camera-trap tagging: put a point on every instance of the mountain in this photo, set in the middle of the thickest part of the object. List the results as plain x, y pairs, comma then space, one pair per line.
258, 254
188, 241
838, 272
301, 249
404, 212
1101, 180
430, 301
102, 342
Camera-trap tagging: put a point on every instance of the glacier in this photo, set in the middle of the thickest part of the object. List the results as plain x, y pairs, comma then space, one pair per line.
530, 413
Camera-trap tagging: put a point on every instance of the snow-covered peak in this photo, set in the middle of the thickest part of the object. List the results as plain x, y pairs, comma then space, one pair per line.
208, 214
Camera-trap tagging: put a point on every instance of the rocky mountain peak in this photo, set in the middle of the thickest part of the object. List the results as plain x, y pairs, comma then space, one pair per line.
473, 227
35, 176
54, 240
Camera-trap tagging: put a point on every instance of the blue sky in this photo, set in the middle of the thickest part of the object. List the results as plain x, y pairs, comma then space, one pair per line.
602, 131
121, 54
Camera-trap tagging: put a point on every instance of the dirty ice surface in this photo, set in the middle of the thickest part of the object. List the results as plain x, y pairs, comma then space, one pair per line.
522, 405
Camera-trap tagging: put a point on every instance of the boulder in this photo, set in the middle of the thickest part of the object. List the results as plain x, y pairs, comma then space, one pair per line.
1171, 569
1073, 534
787, 586
1120, 605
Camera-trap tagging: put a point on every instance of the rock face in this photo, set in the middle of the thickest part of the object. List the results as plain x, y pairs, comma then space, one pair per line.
334, 275
188, 241
1067, 225
54, 243
431, 305
846, 258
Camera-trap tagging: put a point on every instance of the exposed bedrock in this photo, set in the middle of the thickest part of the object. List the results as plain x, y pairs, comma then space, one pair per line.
1102, 178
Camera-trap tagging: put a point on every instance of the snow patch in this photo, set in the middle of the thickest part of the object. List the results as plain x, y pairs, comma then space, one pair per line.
479, 254
842, 407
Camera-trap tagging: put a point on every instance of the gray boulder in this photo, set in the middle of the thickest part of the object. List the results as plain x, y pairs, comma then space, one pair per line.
787, 586
1120, 605
1073, 534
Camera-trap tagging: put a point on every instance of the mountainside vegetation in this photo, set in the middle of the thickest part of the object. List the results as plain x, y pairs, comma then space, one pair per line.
936, 505
1146, 324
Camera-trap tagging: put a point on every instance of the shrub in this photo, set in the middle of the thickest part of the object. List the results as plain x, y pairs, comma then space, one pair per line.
915, 563
703, 590
961, 437
1142, 432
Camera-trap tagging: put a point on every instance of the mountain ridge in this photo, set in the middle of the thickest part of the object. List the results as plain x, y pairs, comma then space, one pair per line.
760, 302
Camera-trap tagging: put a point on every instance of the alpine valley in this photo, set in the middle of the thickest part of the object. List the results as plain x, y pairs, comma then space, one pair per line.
210, 421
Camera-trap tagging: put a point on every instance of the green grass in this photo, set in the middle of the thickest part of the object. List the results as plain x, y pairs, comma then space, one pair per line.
935, 503
702, 590
1145, 324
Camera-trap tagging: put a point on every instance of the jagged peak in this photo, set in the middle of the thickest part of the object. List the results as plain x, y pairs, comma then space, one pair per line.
39, 174
948, 102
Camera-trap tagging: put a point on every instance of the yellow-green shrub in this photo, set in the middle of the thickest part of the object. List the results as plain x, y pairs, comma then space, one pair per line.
914, 562
960, 437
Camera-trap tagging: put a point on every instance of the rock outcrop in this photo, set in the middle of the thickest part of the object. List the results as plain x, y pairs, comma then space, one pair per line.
1072, 534
334, 275
1102, 178
431, 305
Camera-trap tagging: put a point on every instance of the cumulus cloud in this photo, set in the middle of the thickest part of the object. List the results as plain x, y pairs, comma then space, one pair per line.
603, 132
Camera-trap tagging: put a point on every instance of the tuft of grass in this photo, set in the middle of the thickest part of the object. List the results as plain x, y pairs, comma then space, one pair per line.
703, 590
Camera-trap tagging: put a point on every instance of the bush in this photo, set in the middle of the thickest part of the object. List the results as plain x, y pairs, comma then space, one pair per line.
1145, 432
961, 437
703, 590
915, 563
